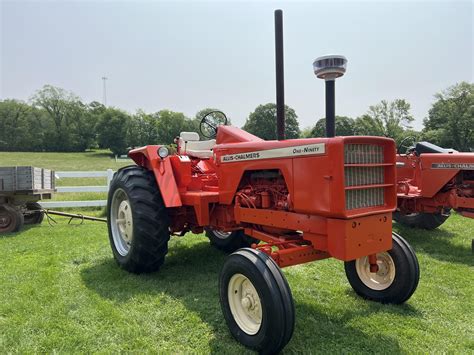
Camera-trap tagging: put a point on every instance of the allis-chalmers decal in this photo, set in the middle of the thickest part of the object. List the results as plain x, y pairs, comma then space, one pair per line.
299, 150
457, 166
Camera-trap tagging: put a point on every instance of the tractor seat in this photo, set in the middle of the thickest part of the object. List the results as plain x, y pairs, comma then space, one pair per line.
189, 144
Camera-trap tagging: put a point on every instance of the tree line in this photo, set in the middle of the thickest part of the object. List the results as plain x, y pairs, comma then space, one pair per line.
57, 120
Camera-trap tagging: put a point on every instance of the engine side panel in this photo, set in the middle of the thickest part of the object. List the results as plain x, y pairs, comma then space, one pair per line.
438, 169
314, 172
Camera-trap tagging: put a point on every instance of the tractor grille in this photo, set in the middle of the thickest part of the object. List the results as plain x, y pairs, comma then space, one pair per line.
364, 198
364, 175
363, 154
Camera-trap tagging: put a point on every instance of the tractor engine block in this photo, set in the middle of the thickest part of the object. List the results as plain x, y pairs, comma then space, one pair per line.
264, 189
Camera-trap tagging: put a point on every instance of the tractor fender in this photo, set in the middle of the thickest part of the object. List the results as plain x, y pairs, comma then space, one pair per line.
148, 158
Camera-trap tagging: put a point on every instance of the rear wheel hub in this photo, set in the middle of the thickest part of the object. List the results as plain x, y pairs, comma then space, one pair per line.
121, 222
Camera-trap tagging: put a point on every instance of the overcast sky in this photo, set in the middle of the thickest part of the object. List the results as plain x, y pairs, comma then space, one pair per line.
188, 55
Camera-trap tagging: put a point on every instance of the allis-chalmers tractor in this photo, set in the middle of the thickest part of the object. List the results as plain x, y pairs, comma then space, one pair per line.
272, 204
432, 181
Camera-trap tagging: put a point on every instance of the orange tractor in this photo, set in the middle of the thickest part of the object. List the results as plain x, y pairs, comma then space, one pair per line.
272, 204
431, 182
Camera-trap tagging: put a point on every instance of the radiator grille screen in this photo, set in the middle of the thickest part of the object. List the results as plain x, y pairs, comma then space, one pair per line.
366, 170
364, 198
358, 176
363, 154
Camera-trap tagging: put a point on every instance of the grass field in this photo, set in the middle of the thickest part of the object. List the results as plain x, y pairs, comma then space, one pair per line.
61, 291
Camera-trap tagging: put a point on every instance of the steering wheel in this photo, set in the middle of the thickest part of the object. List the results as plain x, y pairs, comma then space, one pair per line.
408, 144
210, 122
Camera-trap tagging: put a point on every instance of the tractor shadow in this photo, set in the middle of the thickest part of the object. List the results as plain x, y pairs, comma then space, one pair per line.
438, 244
190, 275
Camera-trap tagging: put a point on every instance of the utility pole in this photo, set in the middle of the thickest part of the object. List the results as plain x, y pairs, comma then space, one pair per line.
104, 92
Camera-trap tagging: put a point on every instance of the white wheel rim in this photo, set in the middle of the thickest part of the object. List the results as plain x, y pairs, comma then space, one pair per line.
380, 280
221, 235
121, 222
245, 304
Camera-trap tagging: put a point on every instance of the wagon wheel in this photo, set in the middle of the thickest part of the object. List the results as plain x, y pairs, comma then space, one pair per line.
210, 122
34, 214
11, 220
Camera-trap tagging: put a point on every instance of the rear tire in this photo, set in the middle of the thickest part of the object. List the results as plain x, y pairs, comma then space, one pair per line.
35, 213
229, 241
11, 220
137, 221
396, 279
256, 301
421, 220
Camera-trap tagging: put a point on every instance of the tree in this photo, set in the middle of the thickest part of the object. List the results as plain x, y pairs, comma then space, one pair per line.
112, 130
96, 108
57, 103
20, 127
170, 124
450, 121
344, 127
306, 132
68, 123
87, 131
82, 120
262, 122
143, 129
388, 119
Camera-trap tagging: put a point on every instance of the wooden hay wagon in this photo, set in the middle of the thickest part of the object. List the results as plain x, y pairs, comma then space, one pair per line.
21, 187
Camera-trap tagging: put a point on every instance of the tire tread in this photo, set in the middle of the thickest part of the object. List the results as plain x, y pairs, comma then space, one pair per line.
151, 222
281, 296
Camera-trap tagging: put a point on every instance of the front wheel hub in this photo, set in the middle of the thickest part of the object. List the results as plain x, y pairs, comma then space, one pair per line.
245, 304
377, 276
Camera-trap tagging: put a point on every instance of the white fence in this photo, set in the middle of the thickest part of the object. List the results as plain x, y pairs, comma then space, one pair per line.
109, 173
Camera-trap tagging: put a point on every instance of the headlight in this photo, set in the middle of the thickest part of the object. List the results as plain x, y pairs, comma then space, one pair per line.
163, 152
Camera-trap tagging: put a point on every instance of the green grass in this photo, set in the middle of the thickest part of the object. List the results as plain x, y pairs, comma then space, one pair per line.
99, 160
61, 291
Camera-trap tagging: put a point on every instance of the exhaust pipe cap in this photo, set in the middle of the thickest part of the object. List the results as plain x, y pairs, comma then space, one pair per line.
330, 67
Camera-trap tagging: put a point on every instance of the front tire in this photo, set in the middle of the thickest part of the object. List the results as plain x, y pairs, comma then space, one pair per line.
137, 221
256, 301
396, 279
229, 241
421, 220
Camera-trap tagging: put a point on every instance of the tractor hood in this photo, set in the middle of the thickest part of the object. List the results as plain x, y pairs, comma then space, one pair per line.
231, 134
